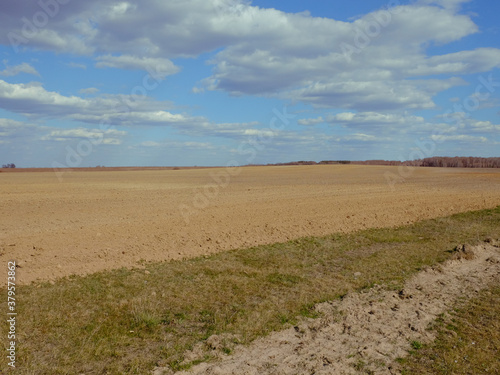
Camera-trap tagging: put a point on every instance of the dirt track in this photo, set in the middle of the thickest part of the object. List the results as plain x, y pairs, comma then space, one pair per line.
92, 221
365, 332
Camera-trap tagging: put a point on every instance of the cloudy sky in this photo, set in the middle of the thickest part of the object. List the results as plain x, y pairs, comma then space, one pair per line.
211, 82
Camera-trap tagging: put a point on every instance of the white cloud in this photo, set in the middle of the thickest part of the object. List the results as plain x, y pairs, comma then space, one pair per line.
25, 135
160, 67
105, 136
179, 145
464, 62
140, 118
197, 90
374, 95
311, 121
269, 52
89, 90
483, 126
344, 117
379, 77
452, 5
12, 129
373, 119
77, 65
255, 51
362, 137
10, 71
459, 137
33, 100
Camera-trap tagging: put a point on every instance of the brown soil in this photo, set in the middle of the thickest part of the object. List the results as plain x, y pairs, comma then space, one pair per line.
365, 332
93, 221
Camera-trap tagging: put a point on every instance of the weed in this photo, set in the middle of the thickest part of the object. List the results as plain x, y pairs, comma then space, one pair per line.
359, 365
416, 345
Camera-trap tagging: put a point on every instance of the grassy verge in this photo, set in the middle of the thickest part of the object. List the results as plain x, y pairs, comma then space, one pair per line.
128, 321
468, 340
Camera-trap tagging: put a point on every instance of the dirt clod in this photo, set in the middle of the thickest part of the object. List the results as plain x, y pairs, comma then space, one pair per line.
464, 252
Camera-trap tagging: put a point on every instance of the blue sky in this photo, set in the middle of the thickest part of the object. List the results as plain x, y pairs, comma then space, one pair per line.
217, 82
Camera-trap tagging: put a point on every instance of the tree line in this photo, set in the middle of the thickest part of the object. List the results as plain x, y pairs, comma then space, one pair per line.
441, 161
436, 161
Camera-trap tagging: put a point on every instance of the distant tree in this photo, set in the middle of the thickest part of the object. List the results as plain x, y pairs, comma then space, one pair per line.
11, 165
440, 161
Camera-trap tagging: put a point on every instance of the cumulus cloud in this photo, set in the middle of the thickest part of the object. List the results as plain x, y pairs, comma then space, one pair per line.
157, 28
458, 137
380, 75
20, 134
160, 67
106, 136
310, 121
237, 130
12, 129
374, 95
33, 100
266, 51
363, 137
483, 126
452, 5
372, 119
179, 145
375, 85
10, 71
464, 62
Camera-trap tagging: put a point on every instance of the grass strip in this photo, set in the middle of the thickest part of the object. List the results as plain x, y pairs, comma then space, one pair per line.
127, 321
468, 340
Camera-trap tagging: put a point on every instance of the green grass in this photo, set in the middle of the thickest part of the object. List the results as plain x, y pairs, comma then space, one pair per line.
128, 321
416, 345
468, 340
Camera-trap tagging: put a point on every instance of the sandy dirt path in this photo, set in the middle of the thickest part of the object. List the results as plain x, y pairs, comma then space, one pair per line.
92, 221
365, 332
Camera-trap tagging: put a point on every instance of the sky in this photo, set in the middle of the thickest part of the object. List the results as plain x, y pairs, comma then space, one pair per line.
236, 82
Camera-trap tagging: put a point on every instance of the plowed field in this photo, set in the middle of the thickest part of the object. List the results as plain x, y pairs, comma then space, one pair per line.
89, 221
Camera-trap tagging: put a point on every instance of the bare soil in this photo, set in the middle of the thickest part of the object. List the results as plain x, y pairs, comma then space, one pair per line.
92, 221
365, 332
